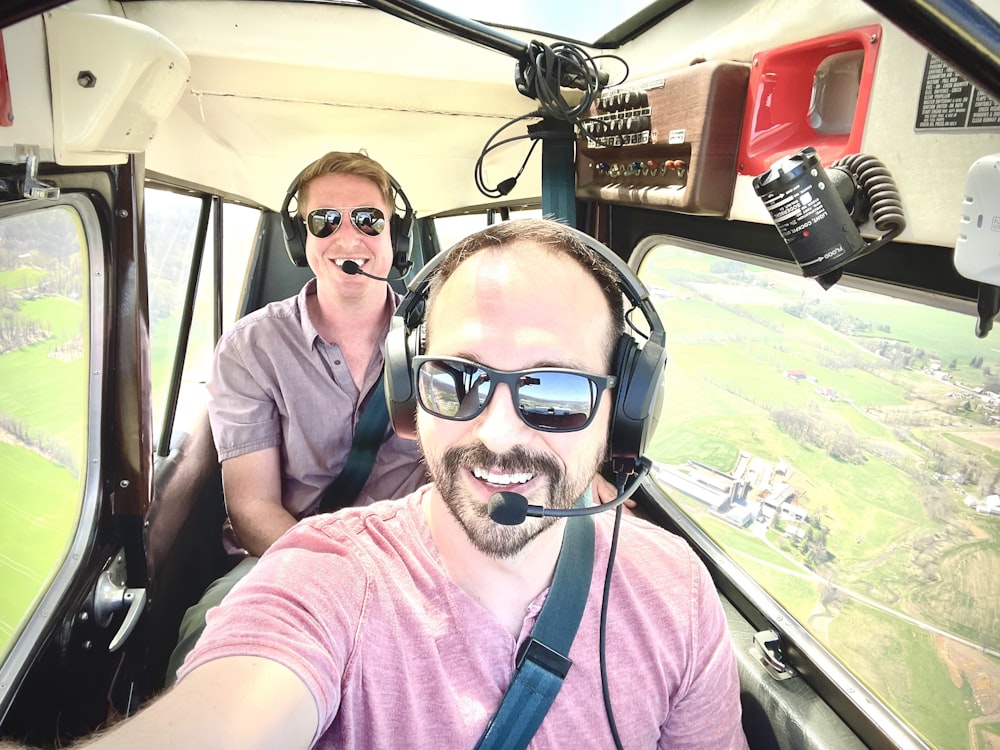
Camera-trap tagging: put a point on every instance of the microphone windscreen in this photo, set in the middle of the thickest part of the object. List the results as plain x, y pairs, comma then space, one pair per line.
508, 508
349, 266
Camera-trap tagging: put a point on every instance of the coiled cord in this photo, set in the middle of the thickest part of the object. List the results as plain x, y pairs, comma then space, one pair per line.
883, 196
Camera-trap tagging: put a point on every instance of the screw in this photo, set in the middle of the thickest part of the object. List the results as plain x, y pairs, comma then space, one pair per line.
123, 484
122, 213
86, 79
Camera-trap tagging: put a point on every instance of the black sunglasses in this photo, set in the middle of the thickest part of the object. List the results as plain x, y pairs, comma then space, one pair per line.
322, 222
548, 399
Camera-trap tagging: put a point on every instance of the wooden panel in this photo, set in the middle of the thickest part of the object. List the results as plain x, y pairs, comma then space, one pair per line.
668, 142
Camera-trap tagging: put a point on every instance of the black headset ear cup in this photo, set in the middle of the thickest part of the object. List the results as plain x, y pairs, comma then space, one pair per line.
401, 396
638, 396
400, 229
293, 228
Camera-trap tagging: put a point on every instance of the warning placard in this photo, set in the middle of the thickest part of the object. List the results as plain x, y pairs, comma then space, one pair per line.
948, 100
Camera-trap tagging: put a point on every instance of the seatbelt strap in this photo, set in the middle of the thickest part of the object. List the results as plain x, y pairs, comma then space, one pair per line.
344, 490
543, 660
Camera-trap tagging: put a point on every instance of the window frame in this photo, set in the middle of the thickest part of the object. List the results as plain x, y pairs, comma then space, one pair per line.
211, 218
28, 643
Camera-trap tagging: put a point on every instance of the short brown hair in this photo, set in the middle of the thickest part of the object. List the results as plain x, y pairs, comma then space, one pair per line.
347, 162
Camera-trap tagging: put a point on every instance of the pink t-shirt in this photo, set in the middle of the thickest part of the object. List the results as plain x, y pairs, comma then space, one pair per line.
359, 606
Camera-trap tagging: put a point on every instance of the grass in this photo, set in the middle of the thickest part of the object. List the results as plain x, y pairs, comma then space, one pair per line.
972, 610
723, 377
990, 456
21, 278
900, 664
63, 316
46, 394
39, 507
929, 328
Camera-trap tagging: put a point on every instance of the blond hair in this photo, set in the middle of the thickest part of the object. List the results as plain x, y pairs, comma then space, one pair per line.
346, 162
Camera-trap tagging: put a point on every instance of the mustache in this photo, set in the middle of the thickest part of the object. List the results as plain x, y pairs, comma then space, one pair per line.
517, 460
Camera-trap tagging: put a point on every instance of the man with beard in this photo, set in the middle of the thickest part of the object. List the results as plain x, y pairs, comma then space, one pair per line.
399, 624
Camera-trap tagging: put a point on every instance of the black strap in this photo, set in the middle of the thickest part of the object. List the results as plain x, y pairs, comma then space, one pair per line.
543, 661
343, 490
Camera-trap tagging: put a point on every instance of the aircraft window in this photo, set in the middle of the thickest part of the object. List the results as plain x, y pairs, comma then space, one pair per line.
44, 377
171, 227
587, 21
843, 447
451, 229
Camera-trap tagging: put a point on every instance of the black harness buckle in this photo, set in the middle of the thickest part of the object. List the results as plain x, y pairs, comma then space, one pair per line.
543, 656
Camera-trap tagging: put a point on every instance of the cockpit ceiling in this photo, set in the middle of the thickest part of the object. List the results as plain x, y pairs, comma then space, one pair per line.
422, 103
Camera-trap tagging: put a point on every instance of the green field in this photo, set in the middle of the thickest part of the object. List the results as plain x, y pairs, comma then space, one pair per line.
43, 408
729, 345
39, 506
901, 665
20, 278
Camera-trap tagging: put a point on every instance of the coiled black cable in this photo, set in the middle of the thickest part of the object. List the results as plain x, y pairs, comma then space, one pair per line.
883, 196
542, 75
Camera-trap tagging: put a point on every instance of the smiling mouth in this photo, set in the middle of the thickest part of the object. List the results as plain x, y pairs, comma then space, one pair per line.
502, 480
359, 261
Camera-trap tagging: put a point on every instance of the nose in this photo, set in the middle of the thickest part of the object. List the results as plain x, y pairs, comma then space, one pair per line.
499, 427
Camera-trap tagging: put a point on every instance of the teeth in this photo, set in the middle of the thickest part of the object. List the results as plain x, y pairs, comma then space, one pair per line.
501, 479
340, 261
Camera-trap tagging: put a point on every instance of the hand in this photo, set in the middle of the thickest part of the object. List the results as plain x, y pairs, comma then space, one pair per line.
604, 492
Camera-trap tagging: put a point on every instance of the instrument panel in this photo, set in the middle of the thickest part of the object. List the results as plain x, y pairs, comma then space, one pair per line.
668, 142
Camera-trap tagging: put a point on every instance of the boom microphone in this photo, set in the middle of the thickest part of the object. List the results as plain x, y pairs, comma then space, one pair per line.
511, 509
352, 268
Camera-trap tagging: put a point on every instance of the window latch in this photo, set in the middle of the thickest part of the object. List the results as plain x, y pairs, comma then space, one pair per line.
768, 650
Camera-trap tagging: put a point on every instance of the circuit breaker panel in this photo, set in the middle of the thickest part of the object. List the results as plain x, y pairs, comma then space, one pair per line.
668, 142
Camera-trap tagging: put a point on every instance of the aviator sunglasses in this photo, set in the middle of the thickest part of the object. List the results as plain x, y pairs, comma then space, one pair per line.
322, 222
546, 398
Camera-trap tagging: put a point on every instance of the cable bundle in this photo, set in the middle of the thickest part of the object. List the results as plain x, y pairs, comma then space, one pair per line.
542, 75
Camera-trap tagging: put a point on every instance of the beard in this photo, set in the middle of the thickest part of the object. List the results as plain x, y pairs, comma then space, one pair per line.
489, 537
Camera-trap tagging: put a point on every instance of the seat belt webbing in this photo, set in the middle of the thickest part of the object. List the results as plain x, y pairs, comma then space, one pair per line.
544, 659
344, 490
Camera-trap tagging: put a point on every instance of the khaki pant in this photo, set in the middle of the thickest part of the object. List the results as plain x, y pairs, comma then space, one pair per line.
193, 623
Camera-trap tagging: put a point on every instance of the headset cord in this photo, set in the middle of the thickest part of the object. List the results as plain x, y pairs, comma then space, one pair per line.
604, 616
541, 76
505, 186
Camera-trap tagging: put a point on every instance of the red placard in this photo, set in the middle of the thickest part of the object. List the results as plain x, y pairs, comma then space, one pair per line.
6, 107
803, 94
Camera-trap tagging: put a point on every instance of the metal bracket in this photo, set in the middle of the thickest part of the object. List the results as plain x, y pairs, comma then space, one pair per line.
111, 595
33, 187
768, 650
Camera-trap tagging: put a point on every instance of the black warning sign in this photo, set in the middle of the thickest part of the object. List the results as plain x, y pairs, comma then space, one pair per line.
949, 100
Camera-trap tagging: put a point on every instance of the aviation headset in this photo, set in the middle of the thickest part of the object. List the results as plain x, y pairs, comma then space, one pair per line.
638, 396
293, 227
